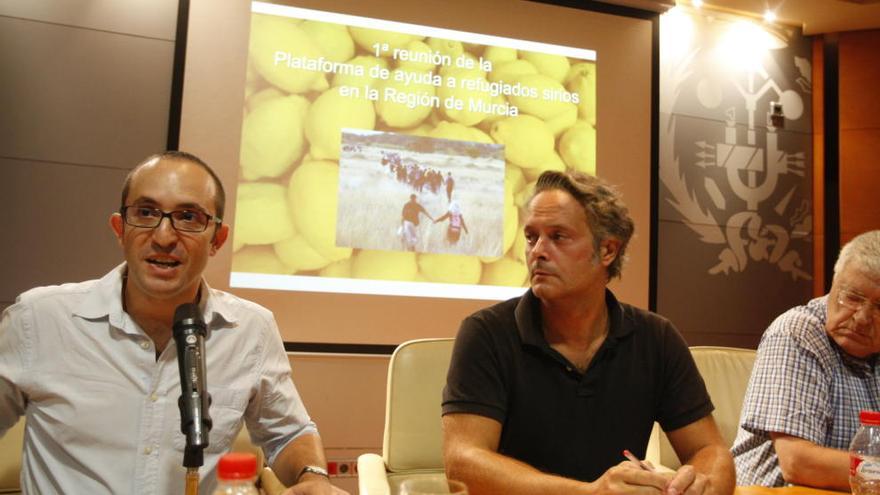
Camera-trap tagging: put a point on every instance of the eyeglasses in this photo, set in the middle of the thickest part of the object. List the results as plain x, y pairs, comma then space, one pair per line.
855, 302
182, 220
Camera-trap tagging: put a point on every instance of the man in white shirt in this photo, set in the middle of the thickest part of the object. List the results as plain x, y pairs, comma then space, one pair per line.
92, 367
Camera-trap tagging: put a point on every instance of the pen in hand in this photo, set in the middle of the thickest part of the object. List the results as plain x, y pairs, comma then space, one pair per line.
635, 460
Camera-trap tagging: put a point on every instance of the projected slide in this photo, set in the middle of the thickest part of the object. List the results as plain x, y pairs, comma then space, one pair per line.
380, 157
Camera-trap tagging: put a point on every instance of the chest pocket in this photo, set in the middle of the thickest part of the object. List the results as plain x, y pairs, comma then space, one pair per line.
226, 411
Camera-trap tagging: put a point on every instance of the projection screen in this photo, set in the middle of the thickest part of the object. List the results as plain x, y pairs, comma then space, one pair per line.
377, 157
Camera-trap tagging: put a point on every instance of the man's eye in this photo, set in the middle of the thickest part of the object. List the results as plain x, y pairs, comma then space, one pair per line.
853, 298
187, 216
146, 212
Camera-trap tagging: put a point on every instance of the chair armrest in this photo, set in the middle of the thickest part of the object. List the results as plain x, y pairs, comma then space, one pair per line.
372, 478
270, 483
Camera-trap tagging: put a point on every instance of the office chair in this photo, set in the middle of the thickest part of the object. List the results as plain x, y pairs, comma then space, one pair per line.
726, 371
412, 444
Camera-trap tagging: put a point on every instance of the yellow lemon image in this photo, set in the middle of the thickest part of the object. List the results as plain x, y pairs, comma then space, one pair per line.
510, 70
527, 140
272, 136
465, 61
385, 265
450, 48
581, 79
499, 54
511, 221
329, 114
561, 122
513, 179
337, 269
333, 39
491, 118
313, 200
454, 130
368, 39
404, 103
468, 91
258, 259
258, 97
553, 66
279, 50
261, 214
424, 129
450, 268
298, 255
418, 54
552, 162
506, 272
369, 79
550, 97
521, 198
578, 147
519, 247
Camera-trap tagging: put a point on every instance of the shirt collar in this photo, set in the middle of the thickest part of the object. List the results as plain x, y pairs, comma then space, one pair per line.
530, 327
105, 301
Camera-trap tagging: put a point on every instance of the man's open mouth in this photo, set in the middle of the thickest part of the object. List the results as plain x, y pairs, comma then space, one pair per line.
163, 263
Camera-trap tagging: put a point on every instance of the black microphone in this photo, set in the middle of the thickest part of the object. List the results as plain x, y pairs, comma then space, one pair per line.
195, 422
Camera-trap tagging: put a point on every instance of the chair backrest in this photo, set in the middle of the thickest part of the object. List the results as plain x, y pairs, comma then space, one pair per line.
726, 371
416, 376
10, 458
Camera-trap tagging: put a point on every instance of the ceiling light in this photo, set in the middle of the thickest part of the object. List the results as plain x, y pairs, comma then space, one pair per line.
769, 16
697, 3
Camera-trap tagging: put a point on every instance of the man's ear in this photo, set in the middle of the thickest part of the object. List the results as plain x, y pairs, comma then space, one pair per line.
609, 249
117, 225
219, 239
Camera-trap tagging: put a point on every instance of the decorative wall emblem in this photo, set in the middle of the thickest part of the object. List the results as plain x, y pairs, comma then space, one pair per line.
743, 189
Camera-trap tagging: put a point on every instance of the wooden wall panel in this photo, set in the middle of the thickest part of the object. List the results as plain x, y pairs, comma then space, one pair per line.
859, 132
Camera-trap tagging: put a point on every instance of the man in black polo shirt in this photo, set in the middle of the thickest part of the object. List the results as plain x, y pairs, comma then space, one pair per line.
545, 391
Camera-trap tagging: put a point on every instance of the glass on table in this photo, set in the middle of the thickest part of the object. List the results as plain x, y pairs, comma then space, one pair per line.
432, 485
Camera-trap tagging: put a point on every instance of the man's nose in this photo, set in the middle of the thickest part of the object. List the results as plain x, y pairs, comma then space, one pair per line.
865, 314
164, 233
538, 249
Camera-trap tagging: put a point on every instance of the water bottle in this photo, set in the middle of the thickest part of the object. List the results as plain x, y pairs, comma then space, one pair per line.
236, 474
864, 456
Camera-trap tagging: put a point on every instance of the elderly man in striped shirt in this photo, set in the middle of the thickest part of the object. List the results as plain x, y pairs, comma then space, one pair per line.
816, 369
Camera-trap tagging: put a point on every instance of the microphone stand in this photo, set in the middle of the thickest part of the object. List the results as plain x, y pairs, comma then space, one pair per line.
189, 331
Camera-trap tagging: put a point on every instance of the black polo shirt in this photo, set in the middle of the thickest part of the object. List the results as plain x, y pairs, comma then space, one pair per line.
559, 420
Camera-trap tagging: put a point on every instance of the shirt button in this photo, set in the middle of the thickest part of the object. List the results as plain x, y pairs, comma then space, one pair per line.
568, 368
147, 450
145, 345
154, 397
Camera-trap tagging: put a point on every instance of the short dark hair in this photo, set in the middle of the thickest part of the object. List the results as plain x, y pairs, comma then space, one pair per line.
607, 215
219, 198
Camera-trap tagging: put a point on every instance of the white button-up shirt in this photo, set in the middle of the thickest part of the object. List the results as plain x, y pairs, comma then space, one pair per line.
101, 410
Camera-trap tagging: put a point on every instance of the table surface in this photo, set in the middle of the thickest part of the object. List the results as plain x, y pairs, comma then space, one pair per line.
789, 490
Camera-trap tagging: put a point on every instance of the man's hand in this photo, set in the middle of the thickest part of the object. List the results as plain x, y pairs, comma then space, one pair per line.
687, 481
627, 477
314, 487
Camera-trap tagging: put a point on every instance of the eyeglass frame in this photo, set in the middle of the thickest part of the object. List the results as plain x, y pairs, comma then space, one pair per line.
863, 301
168, 214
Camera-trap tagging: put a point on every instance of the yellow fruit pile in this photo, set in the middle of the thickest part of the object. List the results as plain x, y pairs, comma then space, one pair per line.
285, 219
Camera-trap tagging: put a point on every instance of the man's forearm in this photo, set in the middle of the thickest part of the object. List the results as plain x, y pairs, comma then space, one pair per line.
487, 473
805, 463
306, 450
716, 463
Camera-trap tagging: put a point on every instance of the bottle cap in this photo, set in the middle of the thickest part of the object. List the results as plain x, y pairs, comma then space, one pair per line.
870, 417
237, 466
